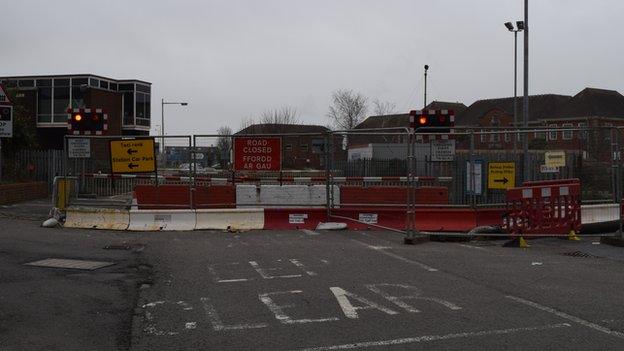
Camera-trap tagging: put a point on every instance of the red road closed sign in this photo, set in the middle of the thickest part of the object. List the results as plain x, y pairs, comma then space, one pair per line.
257, 154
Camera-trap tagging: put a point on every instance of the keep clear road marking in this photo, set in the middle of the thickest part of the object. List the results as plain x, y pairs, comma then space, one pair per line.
428, 338
564, 315
381, 249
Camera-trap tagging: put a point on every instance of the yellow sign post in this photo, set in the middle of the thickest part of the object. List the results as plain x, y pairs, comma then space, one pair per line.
132, 155
554, 159
501, 175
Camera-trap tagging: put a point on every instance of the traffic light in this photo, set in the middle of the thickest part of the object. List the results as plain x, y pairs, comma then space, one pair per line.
432, 121
87, 121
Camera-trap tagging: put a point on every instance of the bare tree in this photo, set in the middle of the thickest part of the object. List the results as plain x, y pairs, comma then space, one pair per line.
282, 115
381, 108
246, 122
347, 109
224, 144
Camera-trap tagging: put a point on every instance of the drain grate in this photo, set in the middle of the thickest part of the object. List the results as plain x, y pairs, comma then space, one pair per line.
579, 254
70, 264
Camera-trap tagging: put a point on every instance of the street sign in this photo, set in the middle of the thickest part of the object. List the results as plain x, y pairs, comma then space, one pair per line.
474, 185
546, 169
555, 159
79, 148
501, 175
132, 155
257, 154
6, 121
442, 150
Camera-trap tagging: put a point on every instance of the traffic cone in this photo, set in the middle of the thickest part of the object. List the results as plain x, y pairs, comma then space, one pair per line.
572, 236
517, 242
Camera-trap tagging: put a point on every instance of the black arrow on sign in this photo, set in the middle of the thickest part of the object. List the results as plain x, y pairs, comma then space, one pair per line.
504, 180
132, 165
130, 151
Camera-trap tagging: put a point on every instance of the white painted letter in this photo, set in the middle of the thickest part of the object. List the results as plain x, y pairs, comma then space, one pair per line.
217, 323
263, 272
351, 311
218, 279
398, 300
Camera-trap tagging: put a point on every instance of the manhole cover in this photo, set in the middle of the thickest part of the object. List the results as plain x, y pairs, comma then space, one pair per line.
70, 264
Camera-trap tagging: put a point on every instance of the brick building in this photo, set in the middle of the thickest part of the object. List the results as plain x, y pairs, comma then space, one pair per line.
46, 98
304, 149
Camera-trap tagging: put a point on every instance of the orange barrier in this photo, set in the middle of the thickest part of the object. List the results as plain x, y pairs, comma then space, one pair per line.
546, 207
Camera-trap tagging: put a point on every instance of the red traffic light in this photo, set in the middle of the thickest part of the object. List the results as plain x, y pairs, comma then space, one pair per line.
422, 120
77, 117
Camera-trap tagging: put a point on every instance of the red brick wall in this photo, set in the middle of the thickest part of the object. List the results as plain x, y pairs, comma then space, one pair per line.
18, 192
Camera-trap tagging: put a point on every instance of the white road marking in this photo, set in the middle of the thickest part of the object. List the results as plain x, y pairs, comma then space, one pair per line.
298, 263
401, 258
218, 279
310, 232
416, 295
185, 305
349, 310
217, 323
263, 272
191, 325
152, 304
428, 338
472, 247
278, 310
569, 317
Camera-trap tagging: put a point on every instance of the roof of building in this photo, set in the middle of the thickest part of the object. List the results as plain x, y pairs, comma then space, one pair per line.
592, 102
401, 120
540, 107
282, 128
48, 76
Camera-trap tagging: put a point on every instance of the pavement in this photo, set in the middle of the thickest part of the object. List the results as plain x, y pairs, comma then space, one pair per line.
305, 290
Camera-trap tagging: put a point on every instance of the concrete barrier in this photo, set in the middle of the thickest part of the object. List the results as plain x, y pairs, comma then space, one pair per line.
97, 218
591, 214
284, 195
236, 218
153, 220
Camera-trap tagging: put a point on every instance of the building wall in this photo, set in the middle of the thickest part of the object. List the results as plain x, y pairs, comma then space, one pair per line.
110, 101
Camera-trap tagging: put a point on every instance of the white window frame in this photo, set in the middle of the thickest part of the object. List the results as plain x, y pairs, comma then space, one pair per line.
482, 136
567, 134
507, 137
552, 136
583, 133
495, 137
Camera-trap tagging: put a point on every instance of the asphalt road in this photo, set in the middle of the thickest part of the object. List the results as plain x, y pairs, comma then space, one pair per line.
303, 290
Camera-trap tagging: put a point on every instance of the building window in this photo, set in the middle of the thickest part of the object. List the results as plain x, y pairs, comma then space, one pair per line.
61, 82
318, 146
44, 105
113, 86
304, 147
44, 82
552, 135
103, 84
94, 82
128, 108
482, 137
507, 137
61, 103
495, 137
77, 98
540, 135
582, 133
567, 134
287, 147
79, 81
27, 83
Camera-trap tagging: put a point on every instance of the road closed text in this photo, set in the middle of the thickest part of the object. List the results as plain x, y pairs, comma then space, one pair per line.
257, 154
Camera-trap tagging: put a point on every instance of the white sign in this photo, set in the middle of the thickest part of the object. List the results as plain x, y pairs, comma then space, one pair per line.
370, 218
79, 148
546, 169
442, 150
297, 218
6, 121
474, 186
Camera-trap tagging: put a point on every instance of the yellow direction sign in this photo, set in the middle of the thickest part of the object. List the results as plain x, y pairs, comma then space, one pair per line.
555, 159
132, 156
501, 175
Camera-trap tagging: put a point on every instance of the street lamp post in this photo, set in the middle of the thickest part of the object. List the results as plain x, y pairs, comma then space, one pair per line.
519, 28
425, 97
525, 110
162, 124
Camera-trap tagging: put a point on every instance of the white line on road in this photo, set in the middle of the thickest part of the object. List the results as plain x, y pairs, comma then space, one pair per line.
428, 338
301, 266
571, 318
473, 247
401, 258
310, 232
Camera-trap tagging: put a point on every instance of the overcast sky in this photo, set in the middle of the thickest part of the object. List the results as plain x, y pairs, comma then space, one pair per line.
233, 59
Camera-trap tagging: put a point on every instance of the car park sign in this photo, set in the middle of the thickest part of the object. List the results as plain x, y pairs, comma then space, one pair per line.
257, 154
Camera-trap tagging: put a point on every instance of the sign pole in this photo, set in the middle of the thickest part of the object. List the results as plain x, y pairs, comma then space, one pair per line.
0, 159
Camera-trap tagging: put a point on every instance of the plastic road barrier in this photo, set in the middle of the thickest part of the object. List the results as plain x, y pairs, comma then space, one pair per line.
97, 218
241, 218
154, 220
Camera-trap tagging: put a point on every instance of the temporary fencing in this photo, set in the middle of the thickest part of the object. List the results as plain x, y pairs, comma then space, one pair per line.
386, 178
